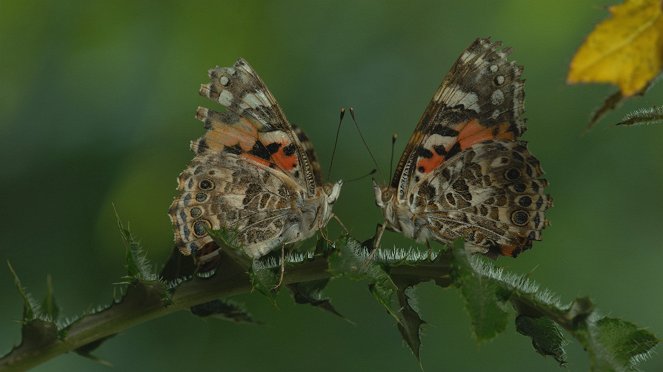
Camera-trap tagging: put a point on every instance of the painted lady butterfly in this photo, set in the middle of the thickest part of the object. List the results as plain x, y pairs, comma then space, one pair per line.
253, 172
463, 173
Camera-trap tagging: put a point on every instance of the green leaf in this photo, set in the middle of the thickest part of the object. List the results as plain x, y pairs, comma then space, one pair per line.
223, 309
49, 307
226, 239
264, 279
410, 321
138, 267
625, 345
547, 337
353, 261
29, 312
311, 293
480, 295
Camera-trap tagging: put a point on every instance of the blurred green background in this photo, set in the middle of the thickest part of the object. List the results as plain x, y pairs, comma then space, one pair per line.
96, 107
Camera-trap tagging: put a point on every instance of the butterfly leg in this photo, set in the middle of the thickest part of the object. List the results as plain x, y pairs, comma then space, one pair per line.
377, 239
323, 234
340, 223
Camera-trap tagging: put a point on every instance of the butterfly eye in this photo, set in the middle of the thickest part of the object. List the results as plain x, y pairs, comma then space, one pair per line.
512, 174
525, 201
200, 228
206, 185
519, 187
201, 197
519, 218
196, 212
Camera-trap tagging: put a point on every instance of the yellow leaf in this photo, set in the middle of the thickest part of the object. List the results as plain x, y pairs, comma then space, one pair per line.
625, 49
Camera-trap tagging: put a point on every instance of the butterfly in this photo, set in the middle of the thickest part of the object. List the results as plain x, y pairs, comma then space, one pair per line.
464, 173
253, 173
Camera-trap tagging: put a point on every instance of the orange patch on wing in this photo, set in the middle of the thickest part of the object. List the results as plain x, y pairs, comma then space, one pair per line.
427, 165
509, 250
473, 132
242, 133
283, 161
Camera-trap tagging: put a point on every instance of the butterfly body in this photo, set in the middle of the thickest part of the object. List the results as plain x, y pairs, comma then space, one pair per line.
464, 173
253, 173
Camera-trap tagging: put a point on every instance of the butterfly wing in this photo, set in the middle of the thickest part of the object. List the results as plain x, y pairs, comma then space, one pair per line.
255, 116
481, 98
464, 173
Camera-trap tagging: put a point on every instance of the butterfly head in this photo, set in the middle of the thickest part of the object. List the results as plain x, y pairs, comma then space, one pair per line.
383, 195
332, 191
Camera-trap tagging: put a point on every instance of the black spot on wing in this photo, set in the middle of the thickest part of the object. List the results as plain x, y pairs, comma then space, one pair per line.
234, 149
260, 151
455, 149
290, 149
273, 147
444, 131
201, 146
424, 152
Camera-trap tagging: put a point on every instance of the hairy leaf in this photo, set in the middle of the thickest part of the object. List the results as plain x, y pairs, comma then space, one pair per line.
621, 344
138, 267
547, 337
264, 279
480, 295
353, 261
226, 240
651, 115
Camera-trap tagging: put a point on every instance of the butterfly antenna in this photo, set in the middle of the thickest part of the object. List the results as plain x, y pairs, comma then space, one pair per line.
338, 131
352, 113
394, 137
362, 177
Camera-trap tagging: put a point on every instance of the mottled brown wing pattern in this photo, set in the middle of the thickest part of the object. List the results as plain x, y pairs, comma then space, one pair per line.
491, 195
230, 191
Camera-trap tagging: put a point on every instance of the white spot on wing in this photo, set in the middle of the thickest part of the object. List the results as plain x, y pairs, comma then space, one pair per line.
453, 95
436, 139
226, 98
497, 98
253, 101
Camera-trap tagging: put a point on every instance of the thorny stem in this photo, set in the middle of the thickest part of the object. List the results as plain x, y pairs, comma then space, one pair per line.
147, 301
